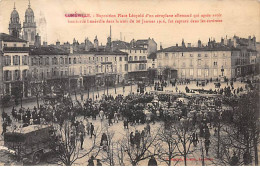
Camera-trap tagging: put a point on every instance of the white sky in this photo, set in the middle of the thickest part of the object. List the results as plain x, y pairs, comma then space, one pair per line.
240, 17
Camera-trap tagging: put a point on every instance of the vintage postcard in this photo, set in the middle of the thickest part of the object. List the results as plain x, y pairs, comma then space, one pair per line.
129, 82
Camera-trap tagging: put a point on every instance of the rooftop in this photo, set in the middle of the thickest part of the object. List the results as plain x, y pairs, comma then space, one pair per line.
142, 42
193, 49
101, 52
120, 44
47, 51
8, 38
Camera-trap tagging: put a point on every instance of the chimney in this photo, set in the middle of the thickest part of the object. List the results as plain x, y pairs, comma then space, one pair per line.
58, 43
235, 42
37, 42
183, 43
199, 43
132, 43
45, 43
96, 42
71, 49
249, 41
161, 48
87, 45
229, 42
222, 41
254, 40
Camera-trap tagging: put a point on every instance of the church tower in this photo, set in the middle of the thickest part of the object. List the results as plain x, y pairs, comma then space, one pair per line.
15, 24
29, 26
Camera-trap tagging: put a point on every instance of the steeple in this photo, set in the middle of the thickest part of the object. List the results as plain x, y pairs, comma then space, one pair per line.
29, 25
14, 24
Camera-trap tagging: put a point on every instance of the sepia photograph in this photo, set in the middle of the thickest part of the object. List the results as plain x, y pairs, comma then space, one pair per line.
129, 82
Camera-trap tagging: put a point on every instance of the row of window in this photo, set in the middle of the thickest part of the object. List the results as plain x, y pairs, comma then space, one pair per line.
16, 60
131, 58
136, 67
191, 55
199, 72
134, 51
61, 60
14, 75
15, 45
37, 73
55, 61
199, 63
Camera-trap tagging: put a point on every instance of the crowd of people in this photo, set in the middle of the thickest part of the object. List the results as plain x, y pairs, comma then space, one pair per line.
133, 109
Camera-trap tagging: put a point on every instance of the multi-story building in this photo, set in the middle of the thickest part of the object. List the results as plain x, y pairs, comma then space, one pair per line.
139, 56
97, 67
137, 62
14, 54
50, 65
149, 44
229, 58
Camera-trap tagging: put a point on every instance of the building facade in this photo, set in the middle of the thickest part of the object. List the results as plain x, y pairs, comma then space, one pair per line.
140, 57
14, 65
196, 63
228, 59
137, 62
98, 68
50, 66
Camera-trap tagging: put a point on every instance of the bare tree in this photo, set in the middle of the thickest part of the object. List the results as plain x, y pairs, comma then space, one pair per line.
184, 130
109, 153
148, 148
240, 138
168, 146
67, 147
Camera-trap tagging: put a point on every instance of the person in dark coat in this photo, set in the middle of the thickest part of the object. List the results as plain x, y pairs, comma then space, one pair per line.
91, 161
137, 138
4, 125
207, 143
152, 162
91, 130
103, 138
99, 163
126, 124
132, 139
81, 140
234, 160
